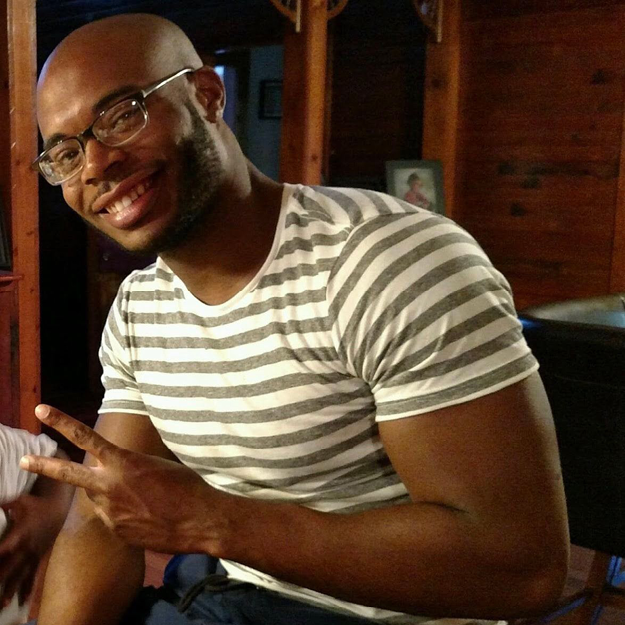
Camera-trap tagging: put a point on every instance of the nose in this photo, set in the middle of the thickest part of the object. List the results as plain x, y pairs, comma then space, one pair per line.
99, 159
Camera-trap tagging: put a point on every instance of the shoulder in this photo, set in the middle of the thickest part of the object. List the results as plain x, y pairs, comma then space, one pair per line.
393, 235
349, 207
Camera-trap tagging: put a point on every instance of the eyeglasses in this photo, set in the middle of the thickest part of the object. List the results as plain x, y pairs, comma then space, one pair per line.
117, 125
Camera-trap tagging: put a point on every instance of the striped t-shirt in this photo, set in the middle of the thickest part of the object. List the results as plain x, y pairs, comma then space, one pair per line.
366, 309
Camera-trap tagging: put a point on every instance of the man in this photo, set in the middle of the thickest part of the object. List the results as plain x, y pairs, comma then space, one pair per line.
326, 389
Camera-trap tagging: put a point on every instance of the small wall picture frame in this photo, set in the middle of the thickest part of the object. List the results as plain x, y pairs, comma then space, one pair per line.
270, 100
5, 250
417, 182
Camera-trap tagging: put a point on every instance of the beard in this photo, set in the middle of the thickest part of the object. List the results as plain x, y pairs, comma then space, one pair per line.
199, 176
200, 172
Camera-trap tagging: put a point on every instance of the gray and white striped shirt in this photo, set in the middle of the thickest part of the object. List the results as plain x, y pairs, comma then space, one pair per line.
366, 309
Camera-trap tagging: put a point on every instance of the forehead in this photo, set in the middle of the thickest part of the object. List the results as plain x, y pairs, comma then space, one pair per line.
70, 89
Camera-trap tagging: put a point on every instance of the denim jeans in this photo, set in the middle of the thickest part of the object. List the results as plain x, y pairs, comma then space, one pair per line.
196, 591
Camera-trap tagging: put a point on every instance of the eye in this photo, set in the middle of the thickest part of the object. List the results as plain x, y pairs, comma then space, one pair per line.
123, 118
66, 155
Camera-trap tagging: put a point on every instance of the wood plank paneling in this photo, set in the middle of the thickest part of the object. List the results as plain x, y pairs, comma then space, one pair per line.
442, 97
478, 9
617, 275
24, 200
583, 29
541, 144
540, 140
19, 192
303, 130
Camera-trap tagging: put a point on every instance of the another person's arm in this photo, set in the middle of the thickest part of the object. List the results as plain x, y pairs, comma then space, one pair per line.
35, 519
485, 535
93, 575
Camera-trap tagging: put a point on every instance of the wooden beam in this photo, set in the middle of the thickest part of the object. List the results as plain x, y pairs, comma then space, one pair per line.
617, 271
305, 59
442, 92
23, 195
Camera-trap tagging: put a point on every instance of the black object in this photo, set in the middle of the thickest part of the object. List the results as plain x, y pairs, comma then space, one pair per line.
580, 345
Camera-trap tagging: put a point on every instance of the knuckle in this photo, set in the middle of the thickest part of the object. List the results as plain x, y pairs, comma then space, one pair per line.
65, 473
80, 435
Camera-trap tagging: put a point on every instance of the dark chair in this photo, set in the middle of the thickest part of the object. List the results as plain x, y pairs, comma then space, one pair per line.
580, 345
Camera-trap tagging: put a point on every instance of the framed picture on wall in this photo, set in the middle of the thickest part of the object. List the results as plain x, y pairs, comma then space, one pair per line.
5, 251
270, 101
417, 182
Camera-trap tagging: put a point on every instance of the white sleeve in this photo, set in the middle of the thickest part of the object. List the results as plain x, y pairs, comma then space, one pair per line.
121, 392
13, 445
422, 316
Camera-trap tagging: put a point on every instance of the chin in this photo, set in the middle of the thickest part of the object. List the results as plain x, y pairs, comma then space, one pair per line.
136, 243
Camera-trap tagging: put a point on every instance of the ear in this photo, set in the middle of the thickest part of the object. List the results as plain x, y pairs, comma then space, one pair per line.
210, 92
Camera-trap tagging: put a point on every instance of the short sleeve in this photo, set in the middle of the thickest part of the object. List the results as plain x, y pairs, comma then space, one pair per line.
121, 393
14, 444
421, 315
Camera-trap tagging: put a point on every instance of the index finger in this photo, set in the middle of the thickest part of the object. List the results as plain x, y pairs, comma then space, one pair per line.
74, 431
64, 471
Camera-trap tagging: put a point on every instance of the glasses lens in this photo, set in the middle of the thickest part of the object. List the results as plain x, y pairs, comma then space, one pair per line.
121, 122
62, 161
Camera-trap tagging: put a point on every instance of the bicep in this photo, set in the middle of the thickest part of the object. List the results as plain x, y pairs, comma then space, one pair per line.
495, 457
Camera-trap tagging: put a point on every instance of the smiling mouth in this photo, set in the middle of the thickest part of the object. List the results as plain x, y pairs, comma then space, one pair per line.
124, 202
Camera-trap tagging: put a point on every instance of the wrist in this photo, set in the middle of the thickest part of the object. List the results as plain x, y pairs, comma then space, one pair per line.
265, 535
225, 524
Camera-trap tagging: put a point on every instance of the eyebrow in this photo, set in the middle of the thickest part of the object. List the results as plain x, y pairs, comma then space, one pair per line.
101, 104
114, 95
55, 138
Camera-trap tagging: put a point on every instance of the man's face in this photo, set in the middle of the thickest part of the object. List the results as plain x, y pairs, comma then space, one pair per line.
149, 194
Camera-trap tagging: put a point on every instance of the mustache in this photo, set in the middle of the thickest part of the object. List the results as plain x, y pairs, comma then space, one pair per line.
104, 187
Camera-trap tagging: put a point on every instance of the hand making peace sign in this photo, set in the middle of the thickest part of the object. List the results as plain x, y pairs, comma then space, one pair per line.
148, 501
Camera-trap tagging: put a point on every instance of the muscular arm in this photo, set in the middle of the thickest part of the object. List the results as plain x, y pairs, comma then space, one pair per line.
485, 535
92, 574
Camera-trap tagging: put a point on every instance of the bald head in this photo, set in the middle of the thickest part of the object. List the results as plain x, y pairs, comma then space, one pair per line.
130, 38
132, 48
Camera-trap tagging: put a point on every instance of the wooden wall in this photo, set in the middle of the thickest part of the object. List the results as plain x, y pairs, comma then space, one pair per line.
18, 191
540, 142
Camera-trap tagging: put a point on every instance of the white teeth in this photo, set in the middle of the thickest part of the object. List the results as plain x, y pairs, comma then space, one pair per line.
127, 200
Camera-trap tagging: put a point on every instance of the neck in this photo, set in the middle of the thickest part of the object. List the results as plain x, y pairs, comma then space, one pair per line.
233, 242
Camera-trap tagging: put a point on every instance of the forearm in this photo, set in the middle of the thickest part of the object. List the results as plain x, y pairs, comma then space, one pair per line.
92, 575
423, 559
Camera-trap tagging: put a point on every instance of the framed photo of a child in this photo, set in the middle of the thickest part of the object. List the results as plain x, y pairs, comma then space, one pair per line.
417, 182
